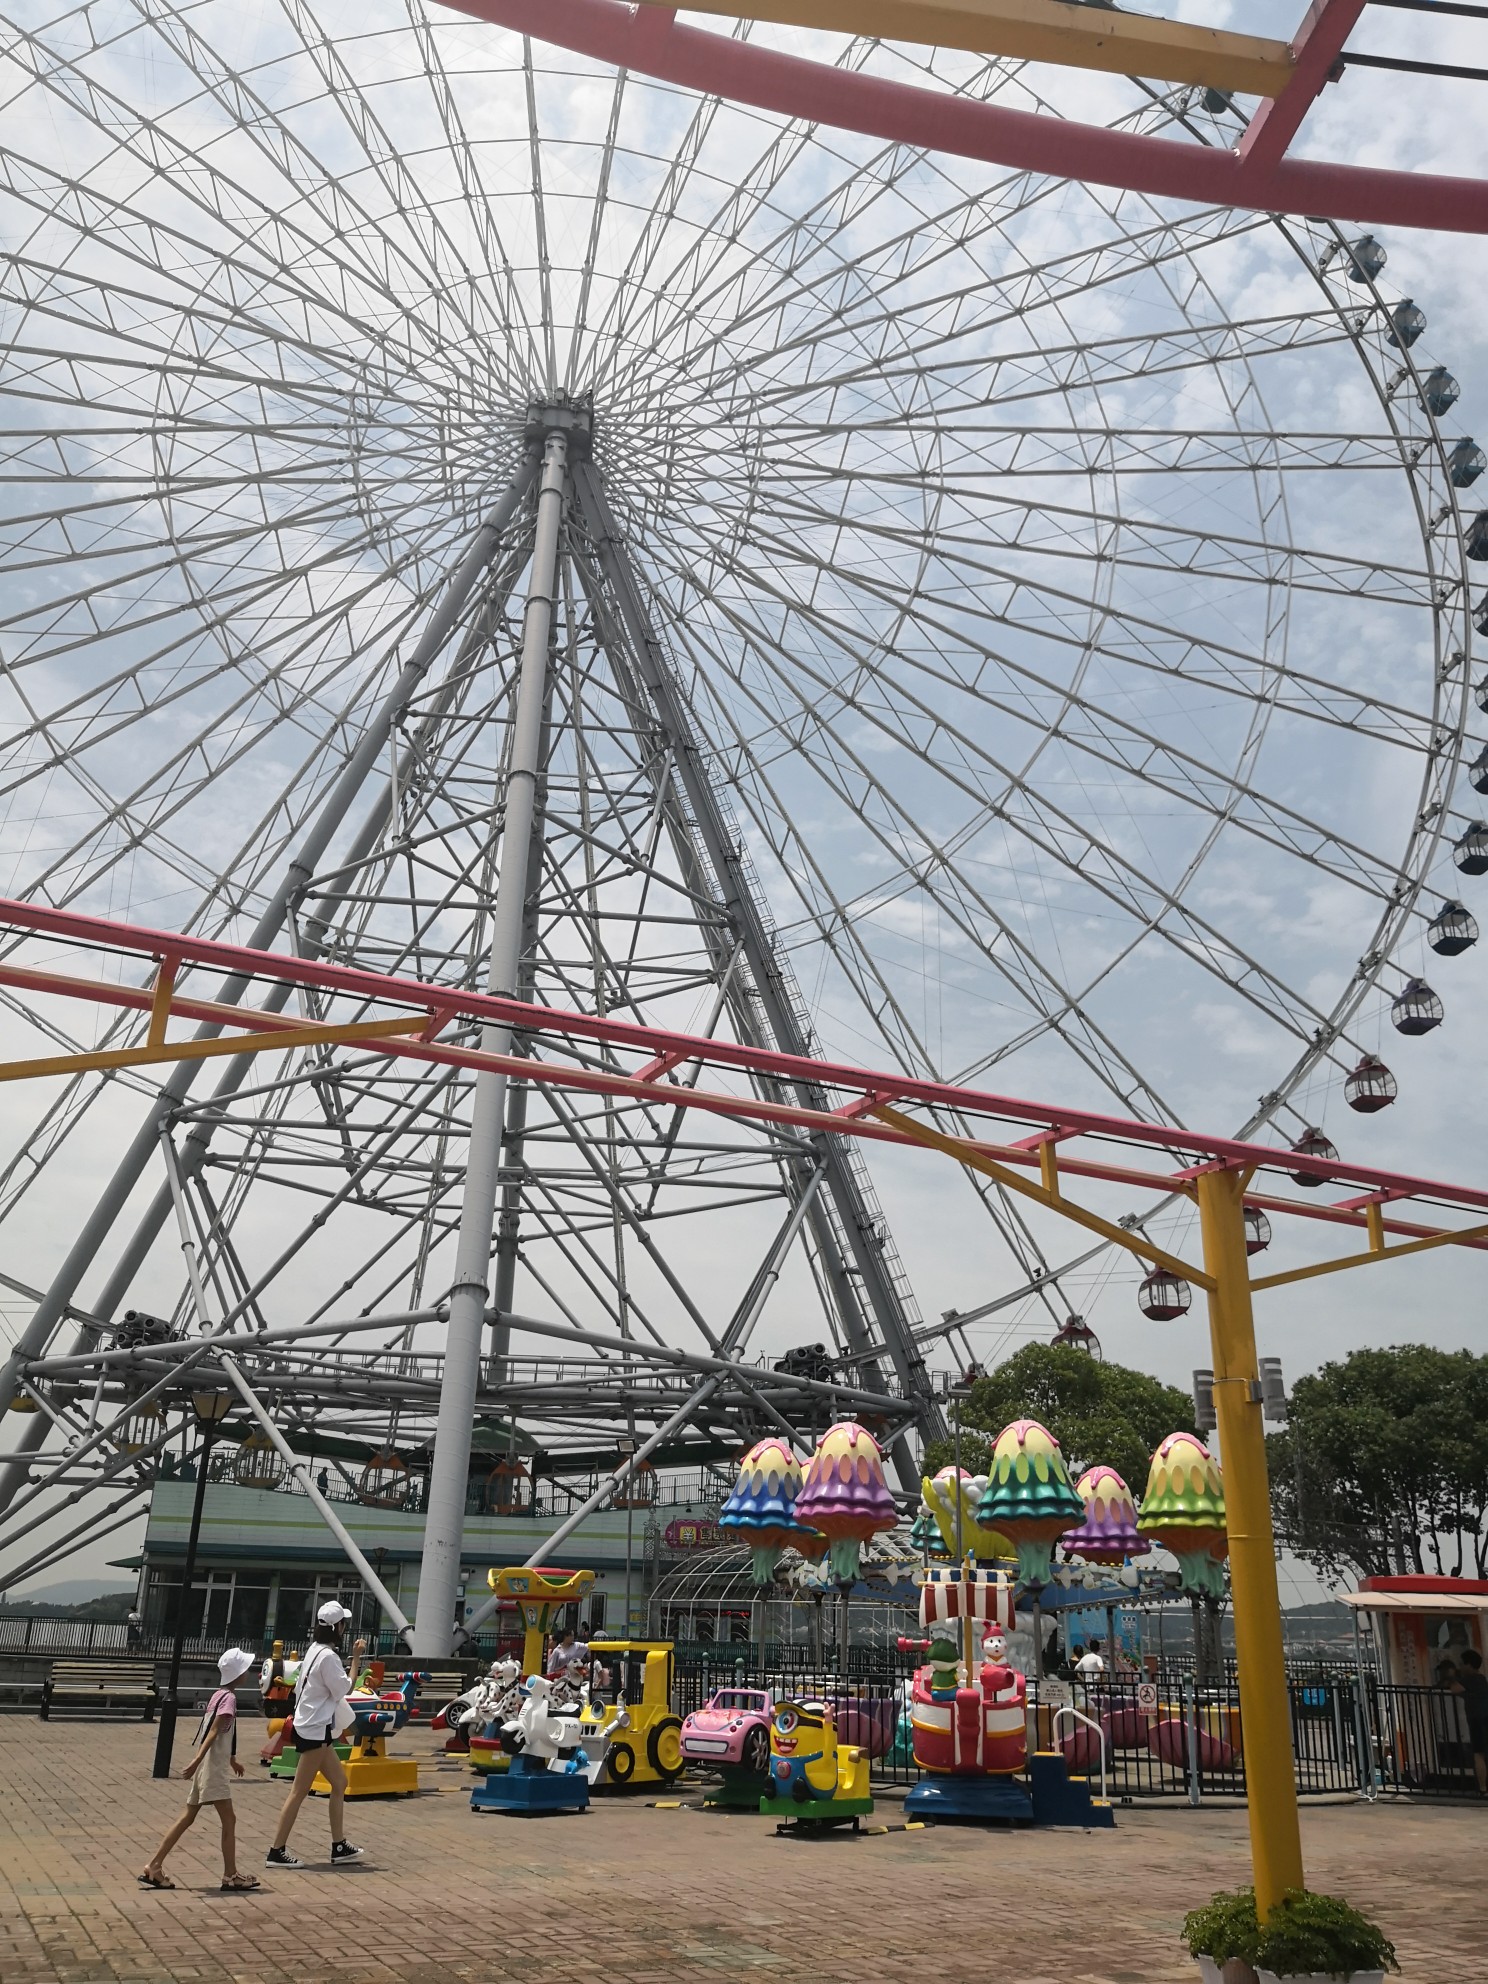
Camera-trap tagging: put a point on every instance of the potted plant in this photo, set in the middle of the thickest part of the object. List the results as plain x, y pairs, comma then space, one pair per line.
1222, 1938
1320, 1939
1306, 1939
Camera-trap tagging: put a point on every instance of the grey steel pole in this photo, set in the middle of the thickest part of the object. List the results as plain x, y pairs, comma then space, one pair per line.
165, 1734
301, 1471
444, 1525
726, 860
301, 870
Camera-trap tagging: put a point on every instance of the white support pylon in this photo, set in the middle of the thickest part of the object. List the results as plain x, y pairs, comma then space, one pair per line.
444, 1526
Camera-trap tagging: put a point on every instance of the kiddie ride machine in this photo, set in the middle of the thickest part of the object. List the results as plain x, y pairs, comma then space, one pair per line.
815, 1781
644, 1732
969, 1716
538, 1595
550, 1770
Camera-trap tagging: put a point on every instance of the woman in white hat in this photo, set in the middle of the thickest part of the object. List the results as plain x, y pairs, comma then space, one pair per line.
211, 1771
321, 1714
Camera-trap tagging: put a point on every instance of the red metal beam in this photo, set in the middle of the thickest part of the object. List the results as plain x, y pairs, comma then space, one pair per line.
1316, 51
674, 1049
650, 42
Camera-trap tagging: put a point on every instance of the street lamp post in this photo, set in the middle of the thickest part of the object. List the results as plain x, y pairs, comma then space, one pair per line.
211, 1408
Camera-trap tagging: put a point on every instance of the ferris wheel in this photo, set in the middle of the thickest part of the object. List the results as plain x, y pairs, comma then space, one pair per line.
1006, 630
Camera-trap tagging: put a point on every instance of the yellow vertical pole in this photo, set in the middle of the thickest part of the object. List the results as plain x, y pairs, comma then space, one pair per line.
1265, 1716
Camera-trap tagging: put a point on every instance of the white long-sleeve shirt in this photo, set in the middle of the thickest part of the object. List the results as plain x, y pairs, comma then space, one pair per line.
320, 1688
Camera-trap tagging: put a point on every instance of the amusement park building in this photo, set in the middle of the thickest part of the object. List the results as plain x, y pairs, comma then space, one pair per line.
265, 1559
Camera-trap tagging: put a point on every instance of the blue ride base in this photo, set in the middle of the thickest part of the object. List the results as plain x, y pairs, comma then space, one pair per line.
529, 1790
1049, 1797
985, 1800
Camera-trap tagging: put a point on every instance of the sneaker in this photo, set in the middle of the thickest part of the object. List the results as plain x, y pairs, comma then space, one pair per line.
342, 1850
280, 1856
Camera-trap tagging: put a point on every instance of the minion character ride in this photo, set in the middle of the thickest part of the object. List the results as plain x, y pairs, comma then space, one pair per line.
814, 1779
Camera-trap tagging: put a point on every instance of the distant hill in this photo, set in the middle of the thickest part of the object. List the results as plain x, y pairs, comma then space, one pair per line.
77, 1599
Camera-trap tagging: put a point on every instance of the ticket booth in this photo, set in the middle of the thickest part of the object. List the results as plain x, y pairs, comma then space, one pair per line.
1422, 1626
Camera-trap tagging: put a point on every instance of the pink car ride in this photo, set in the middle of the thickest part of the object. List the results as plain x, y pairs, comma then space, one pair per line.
732, 1730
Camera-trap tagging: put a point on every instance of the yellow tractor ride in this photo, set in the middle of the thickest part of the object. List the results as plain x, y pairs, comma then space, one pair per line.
646, 1747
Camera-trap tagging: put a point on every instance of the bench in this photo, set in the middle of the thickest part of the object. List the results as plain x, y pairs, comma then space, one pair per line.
443, 1684
101, 1684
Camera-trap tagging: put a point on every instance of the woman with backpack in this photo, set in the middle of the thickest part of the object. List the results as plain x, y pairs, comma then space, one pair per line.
321, 1714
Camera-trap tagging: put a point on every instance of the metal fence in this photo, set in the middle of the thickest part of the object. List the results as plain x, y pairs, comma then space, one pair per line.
1167, 1734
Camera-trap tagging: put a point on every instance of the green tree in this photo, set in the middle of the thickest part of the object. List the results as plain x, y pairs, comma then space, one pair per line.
1098, 1412
1383, 1466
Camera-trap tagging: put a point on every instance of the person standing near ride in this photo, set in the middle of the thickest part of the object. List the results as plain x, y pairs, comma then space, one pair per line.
1472, 1684
211, 1771
277, 1690
321, 1714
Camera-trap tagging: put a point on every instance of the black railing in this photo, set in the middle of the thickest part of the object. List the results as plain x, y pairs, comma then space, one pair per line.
1165, 1733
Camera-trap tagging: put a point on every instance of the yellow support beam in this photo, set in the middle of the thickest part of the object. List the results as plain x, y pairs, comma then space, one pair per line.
1469, 1236
967, 1153
1265, 1712
1059, 31
160, 1008
368, 1032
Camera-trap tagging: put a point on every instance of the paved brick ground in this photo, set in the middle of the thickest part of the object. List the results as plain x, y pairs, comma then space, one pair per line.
634, 1895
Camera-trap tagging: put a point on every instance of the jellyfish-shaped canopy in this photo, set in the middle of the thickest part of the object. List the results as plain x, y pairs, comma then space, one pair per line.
1029, 1496
1029, 1492
1184, 1510
1109, 1533
762, 1505
925, 1534
844, 1494
1185, 1490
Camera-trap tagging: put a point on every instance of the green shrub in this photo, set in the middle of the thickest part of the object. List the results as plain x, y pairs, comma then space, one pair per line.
1311, 1934
1226, 1927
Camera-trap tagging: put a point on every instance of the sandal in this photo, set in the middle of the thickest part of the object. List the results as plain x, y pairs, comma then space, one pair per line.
149, 1880
241, 1884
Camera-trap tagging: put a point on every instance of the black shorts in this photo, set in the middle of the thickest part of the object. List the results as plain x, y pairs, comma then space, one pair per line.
1477, 1738
308, 1739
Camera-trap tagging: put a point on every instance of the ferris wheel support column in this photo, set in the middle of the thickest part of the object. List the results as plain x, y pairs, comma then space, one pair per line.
34, 1339
1265, 1713
444, 1522
893, 1324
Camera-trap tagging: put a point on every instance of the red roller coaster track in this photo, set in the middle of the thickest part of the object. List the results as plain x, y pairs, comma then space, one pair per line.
639, 1063
1256, 174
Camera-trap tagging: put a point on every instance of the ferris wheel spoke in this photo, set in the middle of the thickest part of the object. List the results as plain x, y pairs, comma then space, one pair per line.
1061, 615
540, 223
242, 259
935, 329
972, 383
1074, 846
926, 869
1042, 529
1107, 735
998, 449
417, 240
580, 331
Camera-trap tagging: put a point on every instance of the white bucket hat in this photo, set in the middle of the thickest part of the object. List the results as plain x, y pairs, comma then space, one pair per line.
333, 1613
233, 1665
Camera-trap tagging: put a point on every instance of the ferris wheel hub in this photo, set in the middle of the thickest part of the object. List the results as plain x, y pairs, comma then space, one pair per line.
573, 418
